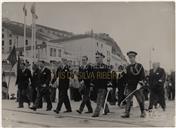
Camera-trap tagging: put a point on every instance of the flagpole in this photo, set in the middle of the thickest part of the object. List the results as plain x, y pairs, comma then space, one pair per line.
34, 16
24, 31
150, 58
34, 40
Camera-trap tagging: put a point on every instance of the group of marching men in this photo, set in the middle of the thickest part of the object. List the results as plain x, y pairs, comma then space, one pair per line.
99, 78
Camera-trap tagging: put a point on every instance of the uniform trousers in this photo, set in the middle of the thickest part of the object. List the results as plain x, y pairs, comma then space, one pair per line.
100, 101
157, 96
86, 100
63, 98
140, 99
43, 92
23, 96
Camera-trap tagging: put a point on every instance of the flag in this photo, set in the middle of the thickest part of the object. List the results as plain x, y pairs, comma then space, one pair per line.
25, 10
33, 11
33, 8
12, 57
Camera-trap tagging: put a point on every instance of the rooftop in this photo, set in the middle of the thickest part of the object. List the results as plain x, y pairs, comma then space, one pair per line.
18, 29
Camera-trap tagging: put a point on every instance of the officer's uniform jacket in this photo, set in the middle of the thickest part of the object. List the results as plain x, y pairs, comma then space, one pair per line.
84, 74
101, 82
45, 77
23, 78
134, 74
63, 73
157, 78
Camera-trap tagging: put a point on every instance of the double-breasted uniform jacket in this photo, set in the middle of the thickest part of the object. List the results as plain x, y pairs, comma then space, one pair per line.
23, 78
157, 78
101, 82
45, 77
134, 74
63, 73
84, 74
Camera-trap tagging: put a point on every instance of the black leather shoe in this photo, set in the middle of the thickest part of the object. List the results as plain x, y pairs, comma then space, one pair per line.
33, 108
95, 115
126, 115
105, 113
56, 111
88, 112
78, 111
143, 115
48, 109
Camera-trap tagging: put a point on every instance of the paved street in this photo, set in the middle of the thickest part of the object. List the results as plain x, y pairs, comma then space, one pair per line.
15, 117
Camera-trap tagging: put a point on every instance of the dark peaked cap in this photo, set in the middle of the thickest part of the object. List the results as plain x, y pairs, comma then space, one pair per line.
99, 53
131, 53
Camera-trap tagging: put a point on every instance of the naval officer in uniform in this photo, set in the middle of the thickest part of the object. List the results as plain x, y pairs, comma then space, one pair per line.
134, 75
101, 82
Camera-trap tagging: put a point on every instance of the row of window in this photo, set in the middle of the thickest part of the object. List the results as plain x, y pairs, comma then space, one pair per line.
53, 52
10, 48
10, 35
10, 42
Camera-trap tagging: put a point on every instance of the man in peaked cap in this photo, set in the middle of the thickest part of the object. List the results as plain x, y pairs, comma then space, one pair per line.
134, 75
131, 53
100, 84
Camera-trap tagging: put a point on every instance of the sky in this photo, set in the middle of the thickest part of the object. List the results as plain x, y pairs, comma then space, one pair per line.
145, 27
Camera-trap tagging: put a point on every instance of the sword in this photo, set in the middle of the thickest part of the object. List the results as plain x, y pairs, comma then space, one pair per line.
106, 99
137, 89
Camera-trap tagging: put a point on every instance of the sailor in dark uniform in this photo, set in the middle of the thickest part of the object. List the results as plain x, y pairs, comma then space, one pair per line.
100, 81
134, 75
63, 73
23, 80
43, 87
84, 80
157, 78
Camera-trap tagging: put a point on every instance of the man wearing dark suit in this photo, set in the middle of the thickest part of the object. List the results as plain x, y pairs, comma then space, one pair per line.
134, 75
63, 74
43, 88
35, 82
156, 82
84, 80
23, 80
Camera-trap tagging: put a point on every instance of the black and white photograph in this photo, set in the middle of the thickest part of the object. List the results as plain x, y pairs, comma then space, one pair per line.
88, 64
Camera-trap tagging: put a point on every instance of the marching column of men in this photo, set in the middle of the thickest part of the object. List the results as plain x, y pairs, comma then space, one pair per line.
99, 79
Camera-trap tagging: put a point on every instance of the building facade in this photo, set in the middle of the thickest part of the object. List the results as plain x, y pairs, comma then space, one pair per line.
89, 44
